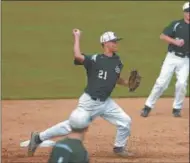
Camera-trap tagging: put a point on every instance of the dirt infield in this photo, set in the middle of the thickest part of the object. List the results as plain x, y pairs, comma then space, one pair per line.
159, 138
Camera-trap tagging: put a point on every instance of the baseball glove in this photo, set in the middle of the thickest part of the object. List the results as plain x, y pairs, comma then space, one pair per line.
134, 80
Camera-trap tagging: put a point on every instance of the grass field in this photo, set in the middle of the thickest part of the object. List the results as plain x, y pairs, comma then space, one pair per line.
37, 44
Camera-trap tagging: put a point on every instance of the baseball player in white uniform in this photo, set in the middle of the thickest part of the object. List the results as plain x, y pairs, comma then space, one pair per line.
103, 72
176, 34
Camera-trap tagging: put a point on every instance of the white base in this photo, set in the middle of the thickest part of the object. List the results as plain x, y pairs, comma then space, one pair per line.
46, 143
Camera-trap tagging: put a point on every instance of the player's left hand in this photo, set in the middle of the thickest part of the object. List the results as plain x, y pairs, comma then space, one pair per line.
134, 80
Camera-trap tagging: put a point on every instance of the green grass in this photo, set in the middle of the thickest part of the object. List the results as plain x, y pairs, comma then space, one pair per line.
37, 44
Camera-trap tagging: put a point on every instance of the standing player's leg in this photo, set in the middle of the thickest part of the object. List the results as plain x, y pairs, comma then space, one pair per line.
115, 115
161, 84
182, 74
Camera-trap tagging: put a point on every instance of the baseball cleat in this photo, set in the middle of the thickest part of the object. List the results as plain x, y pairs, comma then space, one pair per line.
120, 151
34, 143
176, 112
145, 111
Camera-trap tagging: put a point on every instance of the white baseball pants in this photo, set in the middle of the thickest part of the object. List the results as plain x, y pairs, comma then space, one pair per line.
108, 110
171, 64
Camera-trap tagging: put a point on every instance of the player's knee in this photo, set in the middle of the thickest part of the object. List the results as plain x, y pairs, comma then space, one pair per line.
127, 122
162, 84
181, 84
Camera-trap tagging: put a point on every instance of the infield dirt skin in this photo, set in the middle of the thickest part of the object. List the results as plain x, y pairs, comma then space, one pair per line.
158, 138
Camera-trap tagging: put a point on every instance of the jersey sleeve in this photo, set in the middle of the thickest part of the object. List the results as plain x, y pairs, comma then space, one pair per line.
88, 60
169, 30
120, 66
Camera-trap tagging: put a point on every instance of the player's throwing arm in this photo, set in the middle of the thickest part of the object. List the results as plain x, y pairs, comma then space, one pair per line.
103, 73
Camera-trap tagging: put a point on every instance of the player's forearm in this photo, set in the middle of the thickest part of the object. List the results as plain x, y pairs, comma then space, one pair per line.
77, 53
122, 82
168, 39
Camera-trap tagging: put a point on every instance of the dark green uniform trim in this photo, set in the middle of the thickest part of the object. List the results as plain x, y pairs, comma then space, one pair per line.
178, 29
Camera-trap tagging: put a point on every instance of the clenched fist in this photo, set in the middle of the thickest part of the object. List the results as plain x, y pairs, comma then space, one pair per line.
179, 43
76, 33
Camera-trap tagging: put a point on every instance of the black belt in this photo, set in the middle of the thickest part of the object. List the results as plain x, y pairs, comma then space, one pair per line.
97, 99
182, 55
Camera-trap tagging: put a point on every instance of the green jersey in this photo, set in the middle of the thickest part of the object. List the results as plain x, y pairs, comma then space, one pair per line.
102, 74
69, 151
178, 30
